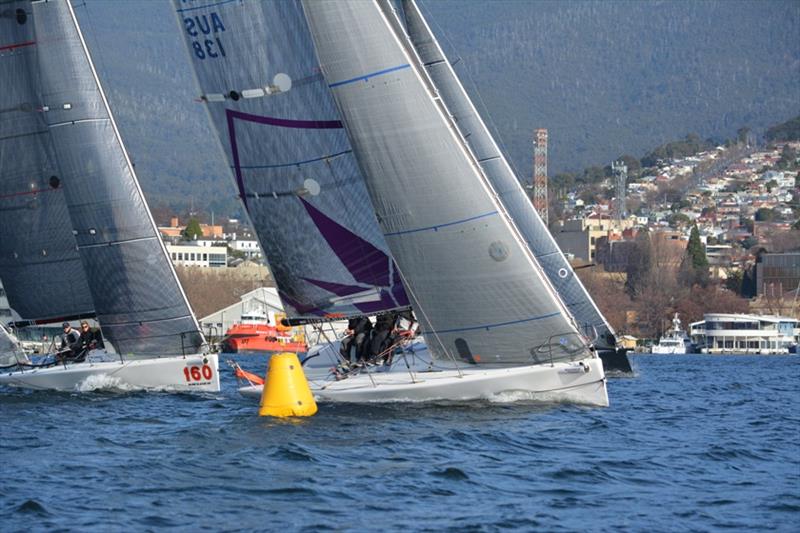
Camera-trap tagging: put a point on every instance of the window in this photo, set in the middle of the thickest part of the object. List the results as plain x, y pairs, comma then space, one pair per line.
180, 256
174, 256
193, 256
205, 257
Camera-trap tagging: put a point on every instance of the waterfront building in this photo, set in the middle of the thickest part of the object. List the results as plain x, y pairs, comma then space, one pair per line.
777, 273
723, 333
190, 254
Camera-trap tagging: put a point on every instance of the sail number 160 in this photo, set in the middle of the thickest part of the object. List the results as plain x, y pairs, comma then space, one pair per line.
196, 373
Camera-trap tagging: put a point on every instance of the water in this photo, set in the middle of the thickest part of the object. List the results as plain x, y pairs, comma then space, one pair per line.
693, 443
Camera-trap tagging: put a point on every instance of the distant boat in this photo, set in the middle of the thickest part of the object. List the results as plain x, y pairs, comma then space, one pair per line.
254, 333
76, 237
676, 341
491, 319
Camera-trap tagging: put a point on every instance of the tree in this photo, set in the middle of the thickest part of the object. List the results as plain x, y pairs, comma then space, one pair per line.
694, 266
765, 214
192, 230
639, 266
733, 280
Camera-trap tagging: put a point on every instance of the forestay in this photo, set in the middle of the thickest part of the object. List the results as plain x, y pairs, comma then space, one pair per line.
138, 301
291, 159
477, 290
39, 263
502, 177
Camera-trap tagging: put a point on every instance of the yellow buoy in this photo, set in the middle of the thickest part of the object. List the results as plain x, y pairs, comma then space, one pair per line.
286, 392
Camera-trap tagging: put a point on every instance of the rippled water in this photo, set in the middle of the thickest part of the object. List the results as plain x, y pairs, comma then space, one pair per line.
692, 443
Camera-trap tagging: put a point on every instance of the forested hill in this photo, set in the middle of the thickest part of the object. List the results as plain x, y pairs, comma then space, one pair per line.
605, 78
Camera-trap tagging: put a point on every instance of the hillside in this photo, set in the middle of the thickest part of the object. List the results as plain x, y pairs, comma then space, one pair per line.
605, 78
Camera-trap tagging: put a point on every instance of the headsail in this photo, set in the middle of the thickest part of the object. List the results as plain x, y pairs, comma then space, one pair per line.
39, 261
138, 300
291, 159
476, 287
499, 172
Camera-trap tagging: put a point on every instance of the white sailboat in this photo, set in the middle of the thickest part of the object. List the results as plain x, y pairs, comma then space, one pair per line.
492, 321
76, 236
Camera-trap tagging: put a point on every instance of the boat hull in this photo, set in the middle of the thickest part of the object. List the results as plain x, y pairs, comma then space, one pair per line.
616, 360
582, 382
190, 373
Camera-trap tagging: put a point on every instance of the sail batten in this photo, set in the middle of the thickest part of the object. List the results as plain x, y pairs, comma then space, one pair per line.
502, 176
474, 285
291, 161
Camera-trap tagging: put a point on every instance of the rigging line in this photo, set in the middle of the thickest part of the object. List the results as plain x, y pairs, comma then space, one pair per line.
429, 326
154, 321
485, 110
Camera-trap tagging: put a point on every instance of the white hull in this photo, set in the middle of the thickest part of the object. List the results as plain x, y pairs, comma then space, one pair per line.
189, 373
669, 350
581, 382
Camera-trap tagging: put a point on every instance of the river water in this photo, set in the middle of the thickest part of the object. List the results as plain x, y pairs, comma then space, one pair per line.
691, 443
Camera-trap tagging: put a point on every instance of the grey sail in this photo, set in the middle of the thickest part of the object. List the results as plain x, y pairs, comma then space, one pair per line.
39, 262
137, 298
505, 182
476, 288
290, 157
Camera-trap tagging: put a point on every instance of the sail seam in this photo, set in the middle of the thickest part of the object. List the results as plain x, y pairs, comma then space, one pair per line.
213, 4
17, 45
437, 226
297, 163
499, 324
140, 322
366, 77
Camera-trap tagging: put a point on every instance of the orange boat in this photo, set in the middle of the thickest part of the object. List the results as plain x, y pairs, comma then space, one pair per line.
255, 334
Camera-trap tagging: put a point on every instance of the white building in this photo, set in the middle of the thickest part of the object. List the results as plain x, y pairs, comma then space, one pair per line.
742, 334
249, 248
263, 300
201, 256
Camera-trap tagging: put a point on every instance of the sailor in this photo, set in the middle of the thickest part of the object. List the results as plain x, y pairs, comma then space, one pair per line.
91, 338
358, 330
70, 343
383, 334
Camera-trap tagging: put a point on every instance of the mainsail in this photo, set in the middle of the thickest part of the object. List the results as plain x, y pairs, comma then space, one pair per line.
497, 169
137, 298
39, 262
291, 159
477, 289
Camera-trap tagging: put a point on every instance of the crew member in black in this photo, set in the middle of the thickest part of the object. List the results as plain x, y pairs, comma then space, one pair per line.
382, 334
357, 332
91, 338
70, 343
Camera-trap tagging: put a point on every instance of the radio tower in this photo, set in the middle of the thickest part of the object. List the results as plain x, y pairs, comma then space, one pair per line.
620, 170
540, 172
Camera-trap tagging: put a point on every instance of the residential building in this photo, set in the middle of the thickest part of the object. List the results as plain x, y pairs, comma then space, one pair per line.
190, 254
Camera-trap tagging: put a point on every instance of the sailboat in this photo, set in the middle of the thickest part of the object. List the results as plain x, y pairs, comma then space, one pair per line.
435, 227
76, 236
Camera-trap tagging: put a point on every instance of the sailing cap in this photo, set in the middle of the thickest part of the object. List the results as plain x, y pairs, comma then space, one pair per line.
65, 325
